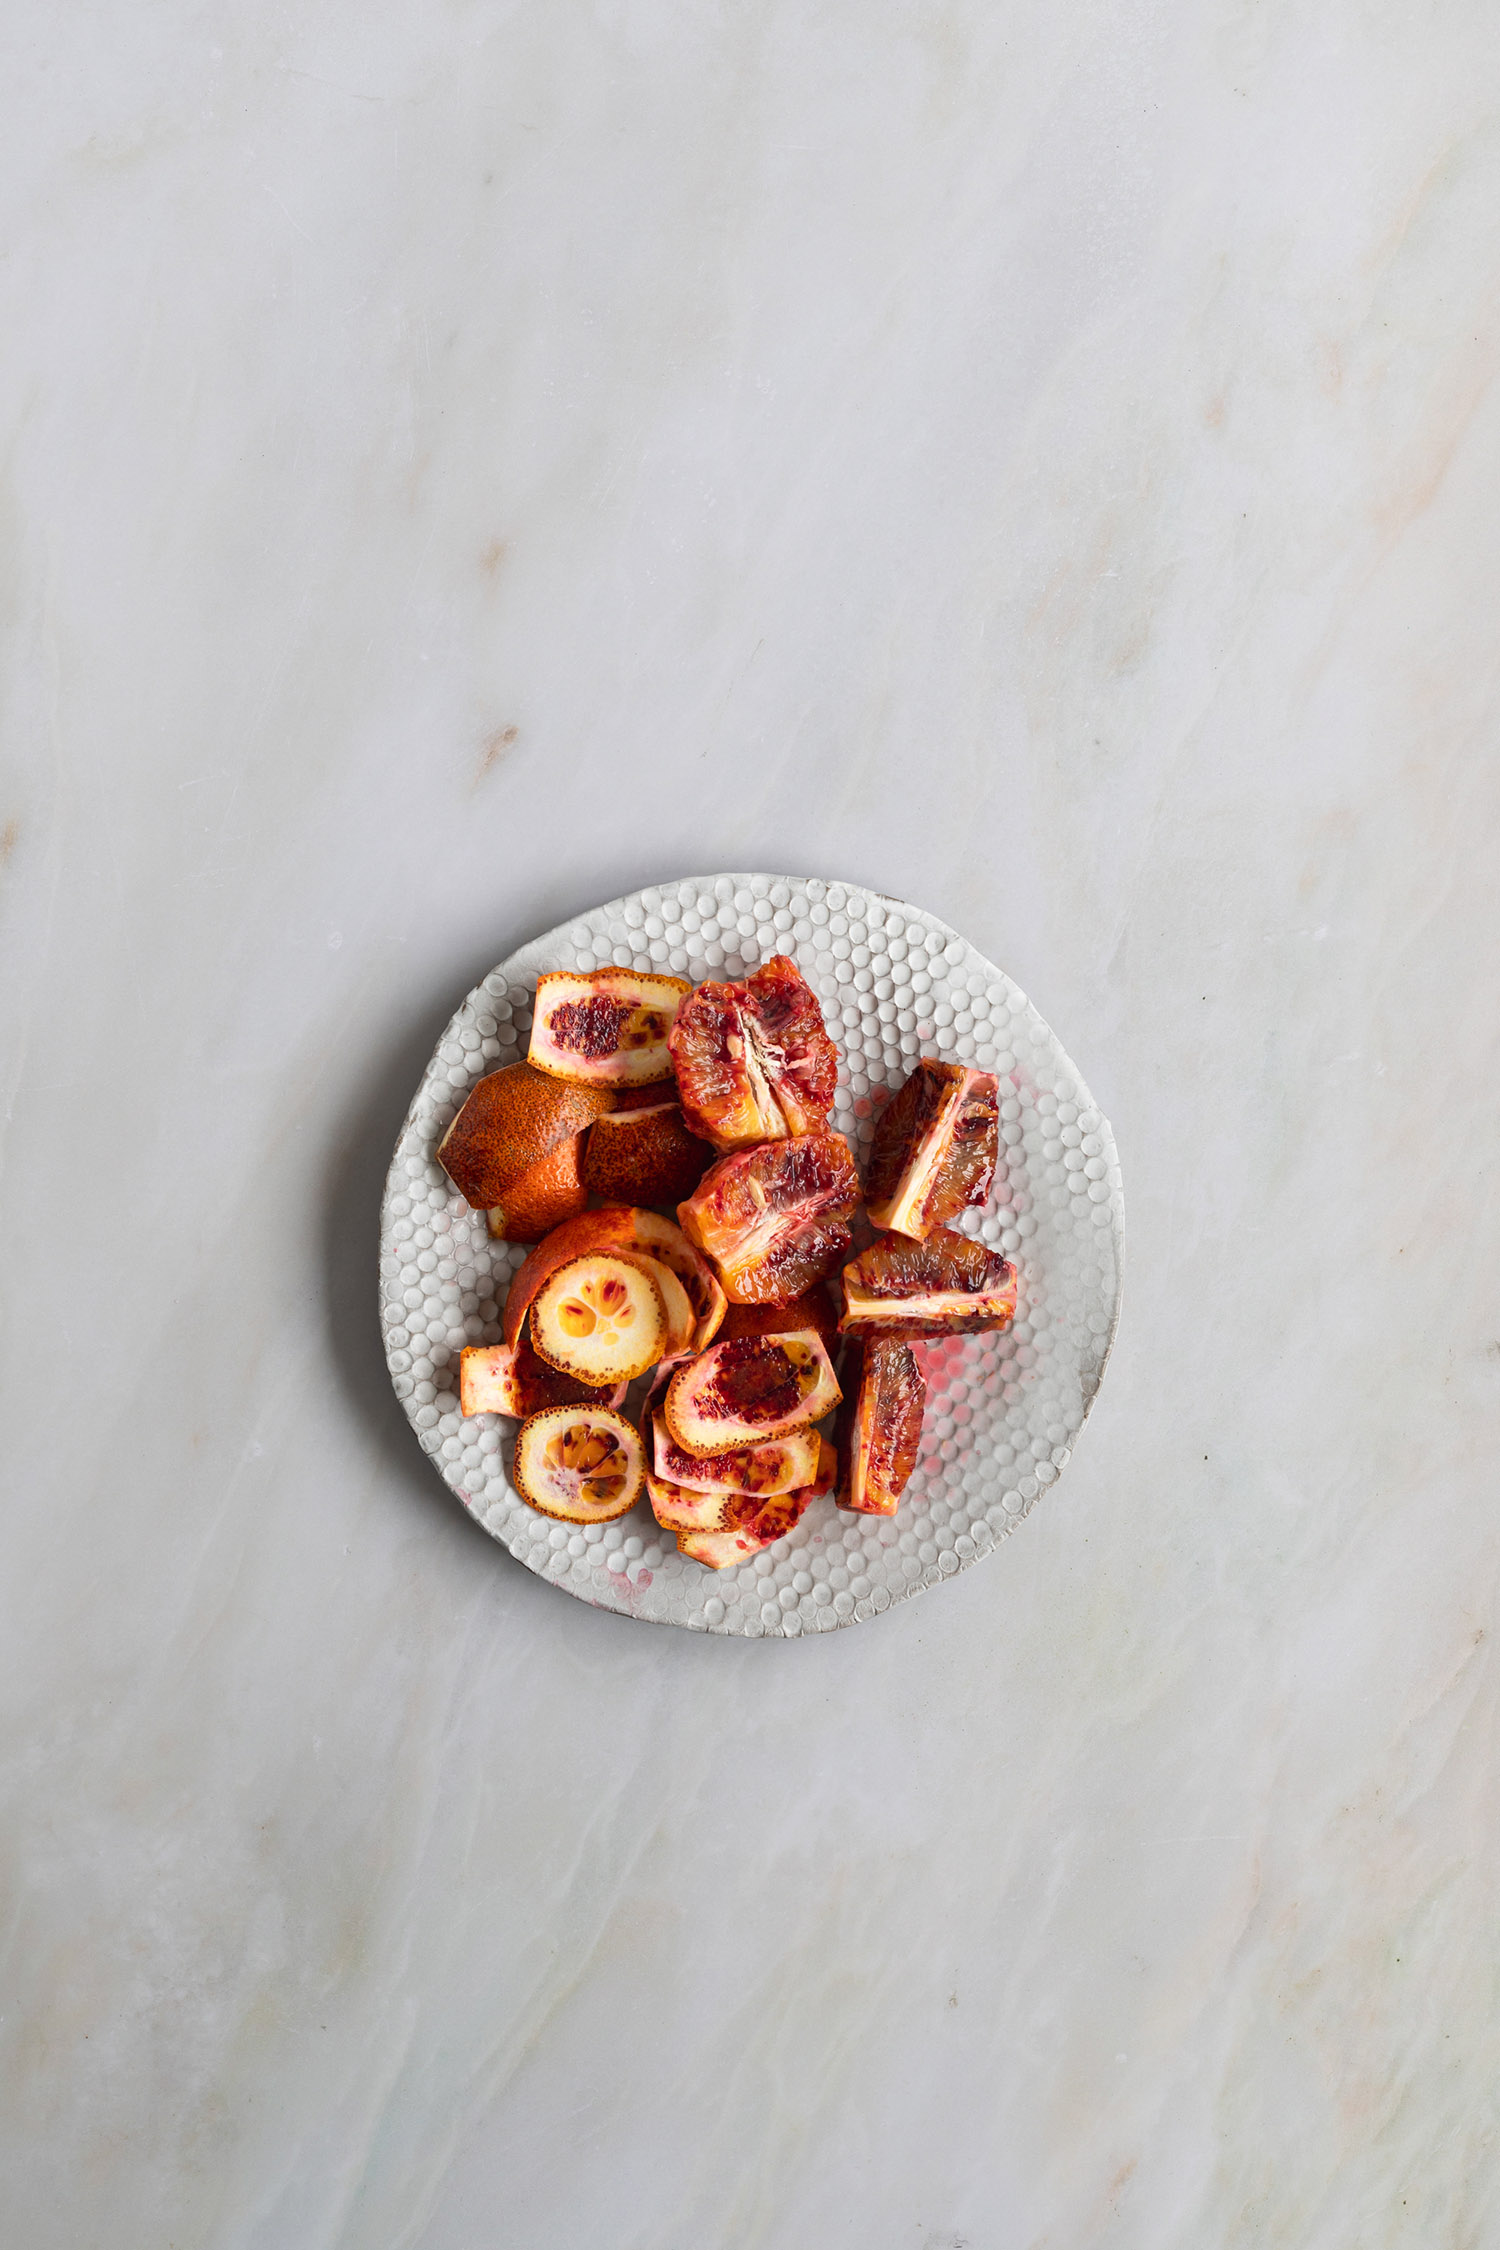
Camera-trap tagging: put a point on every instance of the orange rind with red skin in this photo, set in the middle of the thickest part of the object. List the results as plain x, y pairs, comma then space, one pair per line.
601, 1318
553, 1190
754, 1061
774, 1219
749, 1391
511, 1120
511, 1379
608, 1027
580, 1464
879, 1425
645, 1155
934, 1149
948, 1285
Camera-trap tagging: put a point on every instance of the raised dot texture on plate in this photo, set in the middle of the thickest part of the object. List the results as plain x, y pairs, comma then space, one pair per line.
1003, 1412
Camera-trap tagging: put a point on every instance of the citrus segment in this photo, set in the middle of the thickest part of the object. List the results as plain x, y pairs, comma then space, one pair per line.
934, 1149
754, 1061
510, 1379
879, 1425
780, 1465
948, 1285
773, 1218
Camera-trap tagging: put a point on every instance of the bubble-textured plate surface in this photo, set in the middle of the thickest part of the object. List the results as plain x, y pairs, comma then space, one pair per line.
1003, 1411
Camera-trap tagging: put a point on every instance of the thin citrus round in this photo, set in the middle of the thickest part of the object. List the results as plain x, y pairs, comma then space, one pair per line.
601, 1317
581, 1464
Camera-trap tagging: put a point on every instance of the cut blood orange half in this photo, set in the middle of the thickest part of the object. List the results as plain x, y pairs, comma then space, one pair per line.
510, 1122
582, 1464
773, 1218
619, 1227
779, 1465
751, 1390
646, 1156
608, 1028
934, 1149
511, 1379
601, 1318
948, 1285
879, 1425
754, 1061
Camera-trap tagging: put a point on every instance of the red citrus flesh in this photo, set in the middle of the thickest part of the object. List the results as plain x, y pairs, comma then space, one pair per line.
948, 1285
934, 1149
750, 1390
773, 1218
739, 1541
879, 1425
754, 1061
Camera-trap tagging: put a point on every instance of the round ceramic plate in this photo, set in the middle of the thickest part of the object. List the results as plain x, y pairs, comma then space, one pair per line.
1003, 1412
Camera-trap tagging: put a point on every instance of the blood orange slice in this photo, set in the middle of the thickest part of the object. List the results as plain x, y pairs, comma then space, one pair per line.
608, 1028
510, 1379
511, 1120
645, 1156
773, 1218
879, 1425
948, 1285
748, 1391
582, 1464
754, 1061
601, 1318
780, 1465
737, 1540
934, 1149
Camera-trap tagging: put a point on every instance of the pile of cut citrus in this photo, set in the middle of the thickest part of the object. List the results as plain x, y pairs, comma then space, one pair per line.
641, 1092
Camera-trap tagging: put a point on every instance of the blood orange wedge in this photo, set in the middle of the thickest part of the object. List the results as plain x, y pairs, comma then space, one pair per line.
619, 1227
608, 1028
948, 1285
879, 1425
511, 1379
754, 1061
779, 1465
551, 1191
602, 1318
511, 1120
934, 1149
773, 1218
645, 1155
748, 1391
582, 1464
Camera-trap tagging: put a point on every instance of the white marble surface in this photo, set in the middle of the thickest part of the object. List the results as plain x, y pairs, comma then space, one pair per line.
460, 462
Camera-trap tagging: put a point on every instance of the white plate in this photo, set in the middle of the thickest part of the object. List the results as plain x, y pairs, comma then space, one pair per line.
1003, 1411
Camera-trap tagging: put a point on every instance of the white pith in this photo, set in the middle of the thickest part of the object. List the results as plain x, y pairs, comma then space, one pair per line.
937, 1304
